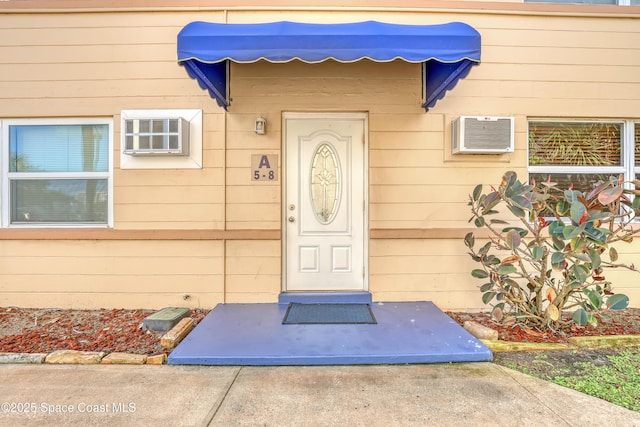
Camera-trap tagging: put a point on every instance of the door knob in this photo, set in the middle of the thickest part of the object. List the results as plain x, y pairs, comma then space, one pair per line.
292, 219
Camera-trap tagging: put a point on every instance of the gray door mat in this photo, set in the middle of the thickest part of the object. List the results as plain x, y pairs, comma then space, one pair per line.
298, 314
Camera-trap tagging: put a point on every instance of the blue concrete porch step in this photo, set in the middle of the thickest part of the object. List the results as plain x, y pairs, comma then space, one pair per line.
253, 334
325, 297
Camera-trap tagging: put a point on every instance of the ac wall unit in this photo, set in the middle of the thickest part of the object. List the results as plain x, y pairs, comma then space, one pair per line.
156, 136
482, 135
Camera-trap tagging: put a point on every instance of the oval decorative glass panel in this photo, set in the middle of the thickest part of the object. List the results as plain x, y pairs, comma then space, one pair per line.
325, 183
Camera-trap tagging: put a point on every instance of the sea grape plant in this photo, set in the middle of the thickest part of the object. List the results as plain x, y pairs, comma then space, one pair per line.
549, 258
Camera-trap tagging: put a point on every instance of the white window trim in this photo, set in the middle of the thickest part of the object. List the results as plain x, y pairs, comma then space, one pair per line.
627, 154
627, 169
5, 221
192, 161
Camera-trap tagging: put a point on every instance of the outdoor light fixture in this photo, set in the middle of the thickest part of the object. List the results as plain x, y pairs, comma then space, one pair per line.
261, 125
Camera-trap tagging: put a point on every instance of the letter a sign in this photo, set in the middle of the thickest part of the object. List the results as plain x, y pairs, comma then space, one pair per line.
264, 167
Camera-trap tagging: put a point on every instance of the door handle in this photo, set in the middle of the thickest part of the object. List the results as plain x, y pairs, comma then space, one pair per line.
292, 219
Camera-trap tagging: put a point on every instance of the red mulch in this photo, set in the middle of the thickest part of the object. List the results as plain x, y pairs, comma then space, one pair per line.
622, 322
46, 330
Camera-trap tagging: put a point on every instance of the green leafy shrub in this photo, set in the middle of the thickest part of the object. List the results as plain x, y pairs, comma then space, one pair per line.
551, 255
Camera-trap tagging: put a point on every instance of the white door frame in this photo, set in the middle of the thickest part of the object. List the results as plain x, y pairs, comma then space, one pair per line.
365, 179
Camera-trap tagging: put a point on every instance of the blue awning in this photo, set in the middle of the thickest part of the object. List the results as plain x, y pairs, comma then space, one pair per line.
447, 51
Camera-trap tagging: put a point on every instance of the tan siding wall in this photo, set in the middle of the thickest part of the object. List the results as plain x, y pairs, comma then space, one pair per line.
97, 64
422, 270
555, 66
253, 271
101, 274
251, 204
439, 271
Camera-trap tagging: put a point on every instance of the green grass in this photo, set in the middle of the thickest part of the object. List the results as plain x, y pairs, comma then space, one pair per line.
618, 383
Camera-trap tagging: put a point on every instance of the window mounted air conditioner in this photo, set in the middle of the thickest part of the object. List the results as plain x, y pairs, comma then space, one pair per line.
156, 137
482, 135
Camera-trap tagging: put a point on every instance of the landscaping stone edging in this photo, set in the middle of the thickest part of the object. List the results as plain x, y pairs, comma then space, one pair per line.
76, 357
26, 358
124, 359
499, 346
610, 341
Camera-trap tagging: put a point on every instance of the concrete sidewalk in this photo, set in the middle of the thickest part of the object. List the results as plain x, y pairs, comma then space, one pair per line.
475, 394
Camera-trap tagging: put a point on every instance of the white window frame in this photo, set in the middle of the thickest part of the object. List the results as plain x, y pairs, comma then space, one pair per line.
611, 170
192, 161
627, 153
6, 174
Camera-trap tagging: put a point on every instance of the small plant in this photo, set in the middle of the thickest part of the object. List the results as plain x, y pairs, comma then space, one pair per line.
617, 382
550, 257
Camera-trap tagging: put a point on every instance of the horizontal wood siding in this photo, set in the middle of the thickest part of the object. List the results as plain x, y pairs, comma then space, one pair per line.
556, 66
253, 271
439, 270
101, 274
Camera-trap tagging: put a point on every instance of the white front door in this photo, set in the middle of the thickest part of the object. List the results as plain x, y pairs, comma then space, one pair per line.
324, 209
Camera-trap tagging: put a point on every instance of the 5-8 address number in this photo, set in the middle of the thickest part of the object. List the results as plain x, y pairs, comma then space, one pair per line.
264, 167
260, 175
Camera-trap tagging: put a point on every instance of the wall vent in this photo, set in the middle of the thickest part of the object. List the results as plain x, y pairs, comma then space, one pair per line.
482, 135
156, 137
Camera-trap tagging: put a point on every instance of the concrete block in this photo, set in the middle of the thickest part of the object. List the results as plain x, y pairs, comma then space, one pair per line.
165, 319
